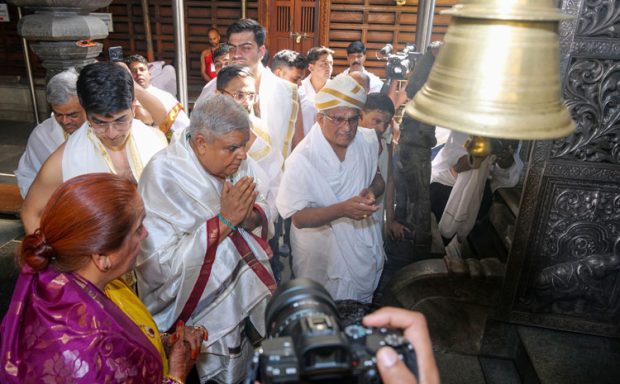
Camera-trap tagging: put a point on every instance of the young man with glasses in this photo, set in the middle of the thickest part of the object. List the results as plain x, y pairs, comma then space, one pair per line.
329, 188
112, 140
278, 104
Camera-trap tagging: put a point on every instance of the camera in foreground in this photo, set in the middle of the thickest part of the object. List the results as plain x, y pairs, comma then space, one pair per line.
306, 343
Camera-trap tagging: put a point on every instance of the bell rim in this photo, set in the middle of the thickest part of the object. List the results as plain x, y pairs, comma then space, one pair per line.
514, 130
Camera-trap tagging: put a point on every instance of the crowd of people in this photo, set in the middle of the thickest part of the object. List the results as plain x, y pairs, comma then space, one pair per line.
153, 239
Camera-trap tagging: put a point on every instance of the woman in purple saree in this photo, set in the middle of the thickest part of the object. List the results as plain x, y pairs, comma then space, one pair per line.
60, 327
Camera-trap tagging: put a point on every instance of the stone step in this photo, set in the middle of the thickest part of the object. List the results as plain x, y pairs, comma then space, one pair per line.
571, 358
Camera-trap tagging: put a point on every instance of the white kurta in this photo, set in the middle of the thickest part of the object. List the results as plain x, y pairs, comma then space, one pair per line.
346, 255
306, 98
44, 139
278, 107
179, 198
176, 120
375, 82
84, 152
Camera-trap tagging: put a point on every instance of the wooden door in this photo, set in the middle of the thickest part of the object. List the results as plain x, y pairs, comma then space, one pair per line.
293, 24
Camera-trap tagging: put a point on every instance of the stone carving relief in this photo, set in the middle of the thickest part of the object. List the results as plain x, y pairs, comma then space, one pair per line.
593, 96
577, 287
582, 241
600, 18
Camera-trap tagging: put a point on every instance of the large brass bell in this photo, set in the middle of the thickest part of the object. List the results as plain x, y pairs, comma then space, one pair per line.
497, 74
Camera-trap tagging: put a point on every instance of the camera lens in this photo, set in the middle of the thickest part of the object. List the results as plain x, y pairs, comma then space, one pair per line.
297, 299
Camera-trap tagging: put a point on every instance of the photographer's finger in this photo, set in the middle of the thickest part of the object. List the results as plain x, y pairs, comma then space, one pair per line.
392, 318
392, 369
416, 331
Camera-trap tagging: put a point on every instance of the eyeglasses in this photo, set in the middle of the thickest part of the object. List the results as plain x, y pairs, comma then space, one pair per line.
241, 96
339, 120
122, 124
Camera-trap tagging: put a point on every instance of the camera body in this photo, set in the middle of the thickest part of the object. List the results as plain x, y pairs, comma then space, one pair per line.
399, 64
306, 344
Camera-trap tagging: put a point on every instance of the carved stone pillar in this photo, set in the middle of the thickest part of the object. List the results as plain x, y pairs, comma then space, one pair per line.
564, 266
413, 173
56, 26
413, 168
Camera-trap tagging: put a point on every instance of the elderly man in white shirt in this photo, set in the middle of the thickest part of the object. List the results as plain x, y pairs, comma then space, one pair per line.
67, 116
329, 188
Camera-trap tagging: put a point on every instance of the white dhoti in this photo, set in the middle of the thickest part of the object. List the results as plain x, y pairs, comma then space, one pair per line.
346, 255
182, 201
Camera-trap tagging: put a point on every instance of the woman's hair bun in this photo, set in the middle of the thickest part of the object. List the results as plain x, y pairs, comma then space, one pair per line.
36, 252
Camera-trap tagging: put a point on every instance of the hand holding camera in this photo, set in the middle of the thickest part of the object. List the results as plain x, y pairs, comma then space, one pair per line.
392, 369
306, 343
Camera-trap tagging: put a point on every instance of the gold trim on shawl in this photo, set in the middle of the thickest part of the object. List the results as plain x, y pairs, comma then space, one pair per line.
257, 155
291, 121
135, 163
260, 133
167, 124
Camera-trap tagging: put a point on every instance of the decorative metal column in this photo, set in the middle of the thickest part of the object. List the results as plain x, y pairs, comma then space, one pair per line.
56, 26
424, 27
178, 14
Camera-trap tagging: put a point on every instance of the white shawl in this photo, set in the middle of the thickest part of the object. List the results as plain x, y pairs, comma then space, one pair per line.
179, 198
84, 152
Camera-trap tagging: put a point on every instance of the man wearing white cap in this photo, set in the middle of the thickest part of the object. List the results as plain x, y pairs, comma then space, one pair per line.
328, 188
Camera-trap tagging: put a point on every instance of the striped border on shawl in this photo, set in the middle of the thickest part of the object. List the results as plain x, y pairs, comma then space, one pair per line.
167, 124
213, 235
291, 121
